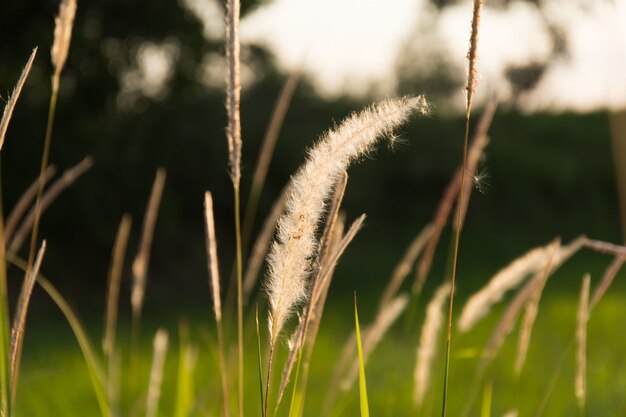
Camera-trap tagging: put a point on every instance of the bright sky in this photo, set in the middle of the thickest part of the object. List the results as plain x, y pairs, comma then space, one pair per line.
353, 46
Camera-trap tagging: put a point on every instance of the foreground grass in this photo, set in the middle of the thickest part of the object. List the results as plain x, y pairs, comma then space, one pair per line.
53, 365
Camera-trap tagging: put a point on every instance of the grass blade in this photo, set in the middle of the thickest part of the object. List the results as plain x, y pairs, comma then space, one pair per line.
259, 357
19, 321
94, 366
365, 411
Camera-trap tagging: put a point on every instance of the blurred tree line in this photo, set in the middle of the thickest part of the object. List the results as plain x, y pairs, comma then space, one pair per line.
549, 175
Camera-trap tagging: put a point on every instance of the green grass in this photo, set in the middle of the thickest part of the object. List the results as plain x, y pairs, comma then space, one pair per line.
55, 380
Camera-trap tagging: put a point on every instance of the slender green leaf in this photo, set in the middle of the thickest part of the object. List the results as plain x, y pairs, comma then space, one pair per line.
94, 366
365, 411
259, 357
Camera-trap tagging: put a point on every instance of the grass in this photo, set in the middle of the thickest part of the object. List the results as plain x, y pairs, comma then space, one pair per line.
53, 364
144, 379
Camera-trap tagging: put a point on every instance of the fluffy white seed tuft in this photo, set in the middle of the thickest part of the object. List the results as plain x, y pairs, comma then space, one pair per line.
290, 255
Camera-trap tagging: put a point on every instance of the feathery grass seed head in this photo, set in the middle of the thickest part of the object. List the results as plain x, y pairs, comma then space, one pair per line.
290, 256
63, 24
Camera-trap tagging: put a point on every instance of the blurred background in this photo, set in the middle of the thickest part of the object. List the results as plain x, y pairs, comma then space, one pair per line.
144, 88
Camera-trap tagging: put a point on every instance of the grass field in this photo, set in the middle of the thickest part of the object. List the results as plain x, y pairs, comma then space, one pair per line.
54, 379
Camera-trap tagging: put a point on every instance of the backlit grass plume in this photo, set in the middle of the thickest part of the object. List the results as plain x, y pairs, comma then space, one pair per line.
290, 256
511, 277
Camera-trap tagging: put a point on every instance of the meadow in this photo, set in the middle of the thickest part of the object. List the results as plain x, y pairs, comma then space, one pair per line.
481, 315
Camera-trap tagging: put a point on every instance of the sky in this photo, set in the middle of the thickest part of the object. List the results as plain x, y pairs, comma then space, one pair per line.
353, 46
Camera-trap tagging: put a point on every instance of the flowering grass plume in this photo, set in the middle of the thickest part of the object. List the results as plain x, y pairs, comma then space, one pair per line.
290, 256
511, 277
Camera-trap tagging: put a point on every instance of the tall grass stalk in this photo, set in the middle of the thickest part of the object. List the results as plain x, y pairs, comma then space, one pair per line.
233, 92
140, 267
64, 23
214, 283
115, 278
112, 301
471, 85
475, 153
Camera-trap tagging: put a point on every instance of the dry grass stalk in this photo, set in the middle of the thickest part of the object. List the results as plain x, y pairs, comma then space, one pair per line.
115, 278
472, 73
374, 334
63, 24
23, 203
505, 325
607, 280
581, 341
530, 313
605, 247
261, 245
510, 277
338, 244
140, 264
69, 177
429, 338
290, 256
333, 213
507, 320
267, 150
156, 373
211, 248
10, 106
476, 152
442, 214
214, 283
336, 253
19, 321
403, 268
511, 413
233, 91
